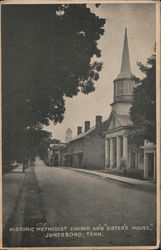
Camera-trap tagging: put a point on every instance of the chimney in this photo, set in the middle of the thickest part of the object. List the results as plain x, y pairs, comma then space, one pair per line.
98, 121
79, 130
87, 125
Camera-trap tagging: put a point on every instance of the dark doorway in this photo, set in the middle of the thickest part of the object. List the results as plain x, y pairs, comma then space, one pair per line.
80, 158
150, 162
133, 161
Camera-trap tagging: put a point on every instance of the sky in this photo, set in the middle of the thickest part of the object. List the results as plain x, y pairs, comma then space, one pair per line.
139, 19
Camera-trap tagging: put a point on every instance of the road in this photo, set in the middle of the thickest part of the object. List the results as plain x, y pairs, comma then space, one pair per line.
110, 213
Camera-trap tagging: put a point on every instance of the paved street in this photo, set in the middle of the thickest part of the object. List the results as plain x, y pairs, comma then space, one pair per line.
73, 199
65, 207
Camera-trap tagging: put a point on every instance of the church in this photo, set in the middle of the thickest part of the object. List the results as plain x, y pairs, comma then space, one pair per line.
119, 152
106, 146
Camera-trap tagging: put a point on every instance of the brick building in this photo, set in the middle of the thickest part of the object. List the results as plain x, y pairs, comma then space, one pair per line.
86, 150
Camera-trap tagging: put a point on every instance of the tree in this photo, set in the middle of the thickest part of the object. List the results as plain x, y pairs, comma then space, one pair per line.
43, 146
143, 110
47, 53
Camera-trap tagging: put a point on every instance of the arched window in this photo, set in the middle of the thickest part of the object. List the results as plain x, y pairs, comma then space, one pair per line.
126, 88
119, 88
129, 87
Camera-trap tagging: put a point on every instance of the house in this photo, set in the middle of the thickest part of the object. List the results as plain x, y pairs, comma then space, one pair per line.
149, 159
119, 152
86, 150
56, 153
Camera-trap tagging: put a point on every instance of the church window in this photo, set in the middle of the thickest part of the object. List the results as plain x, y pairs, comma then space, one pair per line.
132, 86
126, 88
129, 87
122, 87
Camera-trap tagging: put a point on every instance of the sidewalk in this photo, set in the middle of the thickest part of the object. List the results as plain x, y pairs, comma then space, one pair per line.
22, 208
12, 183
147, 185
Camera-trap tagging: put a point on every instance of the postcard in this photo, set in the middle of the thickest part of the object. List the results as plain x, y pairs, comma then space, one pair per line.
80, 124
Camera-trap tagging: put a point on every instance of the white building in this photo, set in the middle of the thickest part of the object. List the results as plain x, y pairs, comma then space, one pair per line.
118, 151
68, 135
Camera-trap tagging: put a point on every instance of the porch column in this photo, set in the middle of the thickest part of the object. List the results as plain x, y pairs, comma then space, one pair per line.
154, 177
107, 153
125, 149
111, 153
59, 158
118, 162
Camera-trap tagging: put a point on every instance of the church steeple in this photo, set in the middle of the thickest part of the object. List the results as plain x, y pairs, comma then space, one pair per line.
124, 83
125, 65
125, 71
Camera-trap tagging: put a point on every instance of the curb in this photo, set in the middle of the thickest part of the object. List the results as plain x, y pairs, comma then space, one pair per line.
137, 186
34, 214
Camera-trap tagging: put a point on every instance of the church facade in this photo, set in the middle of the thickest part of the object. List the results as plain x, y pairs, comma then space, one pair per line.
119, 152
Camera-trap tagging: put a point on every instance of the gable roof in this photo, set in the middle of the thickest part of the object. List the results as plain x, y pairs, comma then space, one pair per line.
92, 129
123, 120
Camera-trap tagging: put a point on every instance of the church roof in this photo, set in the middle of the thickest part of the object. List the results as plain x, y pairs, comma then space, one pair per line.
121, 121
125, 71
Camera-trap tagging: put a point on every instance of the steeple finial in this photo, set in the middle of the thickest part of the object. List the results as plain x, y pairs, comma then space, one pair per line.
125, 65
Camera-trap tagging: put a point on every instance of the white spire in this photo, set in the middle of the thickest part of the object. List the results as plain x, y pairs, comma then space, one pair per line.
125, 71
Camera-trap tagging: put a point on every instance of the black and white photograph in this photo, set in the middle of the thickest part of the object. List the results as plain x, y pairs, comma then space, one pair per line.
79, 124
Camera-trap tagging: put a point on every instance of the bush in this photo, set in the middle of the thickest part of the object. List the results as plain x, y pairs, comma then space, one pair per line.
123, 165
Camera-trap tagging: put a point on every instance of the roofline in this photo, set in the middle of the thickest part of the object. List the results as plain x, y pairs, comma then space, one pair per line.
118, 78
121, 101
117, 129
84, 134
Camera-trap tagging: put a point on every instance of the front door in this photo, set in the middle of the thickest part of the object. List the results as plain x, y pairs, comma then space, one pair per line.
80, 158
150, 162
